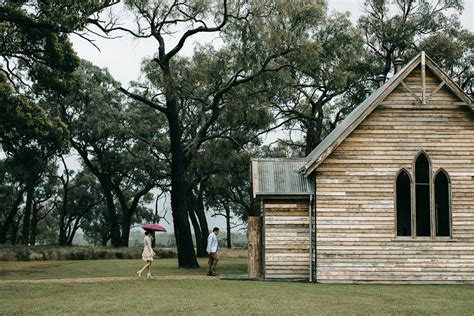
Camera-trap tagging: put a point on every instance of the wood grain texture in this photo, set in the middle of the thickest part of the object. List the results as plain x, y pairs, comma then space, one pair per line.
355, 207
286, 239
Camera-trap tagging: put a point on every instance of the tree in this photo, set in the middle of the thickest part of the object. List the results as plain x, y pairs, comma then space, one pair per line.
227, 190
12, 189
120, 144
231, 67
312, 95
79, 196
34, 46
392, 28
44, 203
29, 138
453, 51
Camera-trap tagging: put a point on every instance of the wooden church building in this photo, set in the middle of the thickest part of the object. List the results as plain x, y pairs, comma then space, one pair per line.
387, 197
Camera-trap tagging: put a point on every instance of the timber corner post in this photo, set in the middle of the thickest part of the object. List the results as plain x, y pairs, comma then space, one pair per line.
254, 237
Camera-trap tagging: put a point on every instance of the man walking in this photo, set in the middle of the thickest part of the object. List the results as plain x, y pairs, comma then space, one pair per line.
212, 251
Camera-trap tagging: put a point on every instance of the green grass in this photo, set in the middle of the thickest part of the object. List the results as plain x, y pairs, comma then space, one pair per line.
33, 270
210, 297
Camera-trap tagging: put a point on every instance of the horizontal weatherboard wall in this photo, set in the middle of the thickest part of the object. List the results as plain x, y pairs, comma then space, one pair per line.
355, 190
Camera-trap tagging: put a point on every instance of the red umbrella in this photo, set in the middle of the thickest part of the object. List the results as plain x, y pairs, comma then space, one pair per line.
155, 227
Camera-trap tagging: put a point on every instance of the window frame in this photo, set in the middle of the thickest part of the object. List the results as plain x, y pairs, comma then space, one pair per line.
450, 207
431, 179
396, 205
413, 200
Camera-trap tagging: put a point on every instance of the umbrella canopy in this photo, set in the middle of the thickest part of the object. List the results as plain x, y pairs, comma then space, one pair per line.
154, 227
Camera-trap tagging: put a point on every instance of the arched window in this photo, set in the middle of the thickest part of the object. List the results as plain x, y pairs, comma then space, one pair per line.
422, 195
403, 204
442, 203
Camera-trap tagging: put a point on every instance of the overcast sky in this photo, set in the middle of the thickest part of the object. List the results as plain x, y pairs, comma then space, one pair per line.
123, 56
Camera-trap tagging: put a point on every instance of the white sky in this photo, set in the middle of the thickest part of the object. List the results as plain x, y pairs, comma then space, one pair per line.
123, 56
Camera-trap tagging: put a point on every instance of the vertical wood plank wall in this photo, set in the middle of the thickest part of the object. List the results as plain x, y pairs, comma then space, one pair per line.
355, 198
286, 239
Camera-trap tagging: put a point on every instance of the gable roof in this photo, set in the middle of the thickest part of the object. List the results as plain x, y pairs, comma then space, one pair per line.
330, 143
279, 176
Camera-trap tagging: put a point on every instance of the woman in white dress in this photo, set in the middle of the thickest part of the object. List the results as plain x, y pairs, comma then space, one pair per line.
147, 255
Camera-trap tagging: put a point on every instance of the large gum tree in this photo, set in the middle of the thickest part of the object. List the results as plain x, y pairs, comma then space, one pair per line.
172, 24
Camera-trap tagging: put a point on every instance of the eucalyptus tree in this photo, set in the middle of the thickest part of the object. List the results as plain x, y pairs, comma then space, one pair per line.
453, 51
35, 32
393, 28
245, 117
227, 188
237, 62
96, 225
29, 139
79, 194
12, 189
119, 143
327, 74
33, 47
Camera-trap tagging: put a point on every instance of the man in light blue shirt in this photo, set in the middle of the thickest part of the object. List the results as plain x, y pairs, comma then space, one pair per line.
212, 251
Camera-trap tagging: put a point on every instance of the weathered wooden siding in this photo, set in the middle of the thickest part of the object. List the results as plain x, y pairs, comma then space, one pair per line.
286, 239
355, 223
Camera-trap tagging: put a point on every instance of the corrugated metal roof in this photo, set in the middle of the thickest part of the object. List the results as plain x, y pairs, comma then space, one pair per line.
275, 176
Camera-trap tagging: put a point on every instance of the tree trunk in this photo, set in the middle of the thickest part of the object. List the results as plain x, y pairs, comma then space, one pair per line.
200, 212
126, 227
71, 235
34, 224
115, 229
106, 186
313, 138
62, 217
227, 222
13, 236
192, 207
182, 229
11, 215
197, 233
105, 239
27, 214
314, 129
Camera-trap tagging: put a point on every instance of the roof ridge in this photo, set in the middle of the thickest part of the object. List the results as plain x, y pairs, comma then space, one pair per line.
361, 111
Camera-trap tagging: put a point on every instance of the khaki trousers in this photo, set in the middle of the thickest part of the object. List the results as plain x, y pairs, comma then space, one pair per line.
213, 259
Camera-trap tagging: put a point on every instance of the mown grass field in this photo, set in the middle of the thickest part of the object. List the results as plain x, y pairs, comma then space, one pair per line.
210, 296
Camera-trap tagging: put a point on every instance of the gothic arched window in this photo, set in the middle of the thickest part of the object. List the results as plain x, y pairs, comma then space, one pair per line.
442, 203
422, 196
403, 204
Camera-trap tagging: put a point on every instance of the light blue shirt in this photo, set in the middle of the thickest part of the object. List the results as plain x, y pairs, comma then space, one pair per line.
211, 243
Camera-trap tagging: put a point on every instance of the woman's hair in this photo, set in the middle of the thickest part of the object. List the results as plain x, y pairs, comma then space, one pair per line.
147, 232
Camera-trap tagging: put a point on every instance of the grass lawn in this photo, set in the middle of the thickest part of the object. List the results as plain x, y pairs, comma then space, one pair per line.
34, 270
208, 297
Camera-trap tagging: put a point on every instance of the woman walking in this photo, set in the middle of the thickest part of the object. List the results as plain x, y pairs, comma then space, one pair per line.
147, 254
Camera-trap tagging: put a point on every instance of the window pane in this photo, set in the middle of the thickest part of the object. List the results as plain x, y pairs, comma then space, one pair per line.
422, 191
442, 204
403, 205
423, 210
422, 169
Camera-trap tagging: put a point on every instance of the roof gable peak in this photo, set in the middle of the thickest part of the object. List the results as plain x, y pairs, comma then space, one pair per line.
329, 144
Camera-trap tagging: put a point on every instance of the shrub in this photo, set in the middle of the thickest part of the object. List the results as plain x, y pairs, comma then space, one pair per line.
165, 253
24, 253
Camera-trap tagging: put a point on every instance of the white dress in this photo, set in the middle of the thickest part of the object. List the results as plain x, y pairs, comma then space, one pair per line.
148, 253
